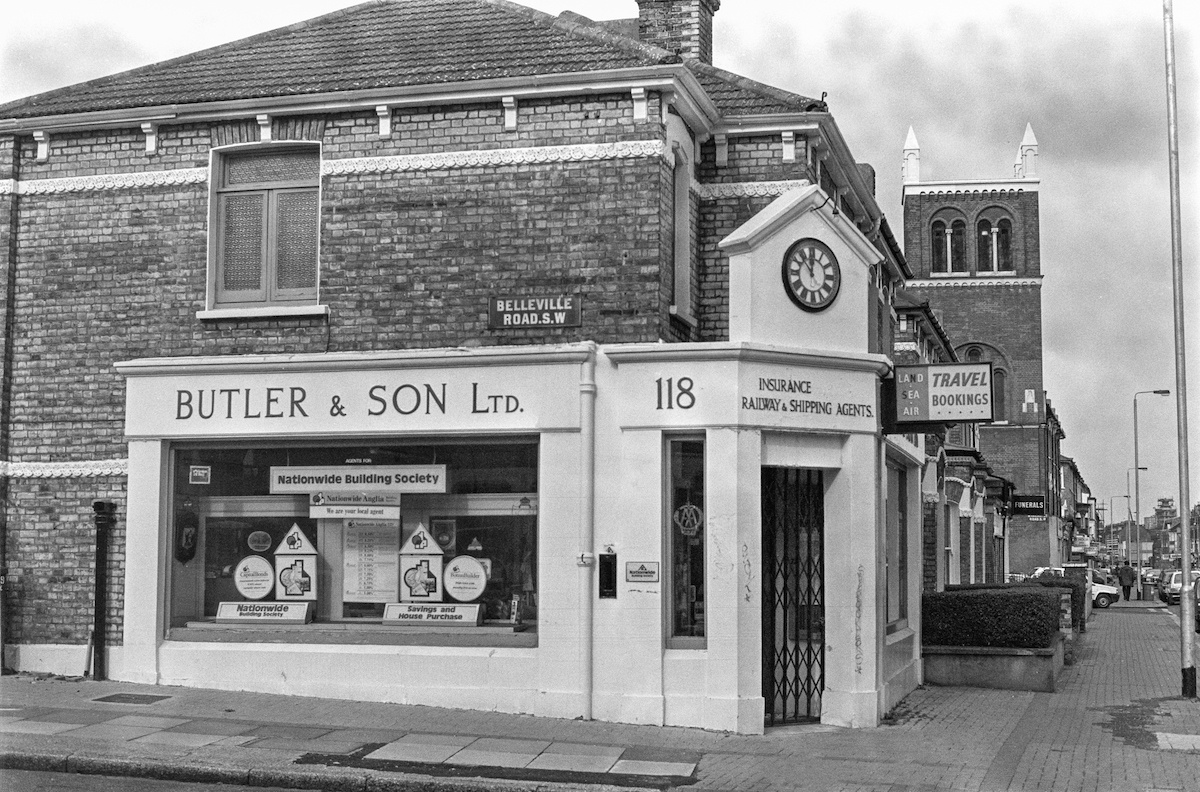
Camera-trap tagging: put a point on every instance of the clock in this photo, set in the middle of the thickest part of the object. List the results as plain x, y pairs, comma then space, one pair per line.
811, 275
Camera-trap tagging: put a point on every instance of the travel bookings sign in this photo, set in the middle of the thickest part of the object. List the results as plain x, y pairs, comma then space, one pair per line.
535, 310
947, 393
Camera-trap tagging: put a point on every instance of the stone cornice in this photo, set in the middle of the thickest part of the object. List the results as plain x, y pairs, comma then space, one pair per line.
969, 187
765, 189
966, 282
8, 186
91, 468
493, 157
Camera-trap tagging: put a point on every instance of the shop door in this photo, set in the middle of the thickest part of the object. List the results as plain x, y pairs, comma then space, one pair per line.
793, 607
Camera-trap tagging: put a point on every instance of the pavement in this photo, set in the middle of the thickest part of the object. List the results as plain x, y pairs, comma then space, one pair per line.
1116, 722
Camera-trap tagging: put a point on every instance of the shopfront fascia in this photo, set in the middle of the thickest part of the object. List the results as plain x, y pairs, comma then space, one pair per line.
639, 470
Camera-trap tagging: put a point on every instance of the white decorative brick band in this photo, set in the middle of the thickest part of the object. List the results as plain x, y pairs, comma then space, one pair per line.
960, 282
491, 157
91, 468
904, 346
113, 181
413, 162
767, 189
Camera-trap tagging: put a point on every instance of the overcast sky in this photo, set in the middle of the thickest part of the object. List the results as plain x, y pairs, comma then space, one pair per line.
1088, 74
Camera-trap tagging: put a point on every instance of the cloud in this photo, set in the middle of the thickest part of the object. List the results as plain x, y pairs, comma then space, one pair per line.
31, 64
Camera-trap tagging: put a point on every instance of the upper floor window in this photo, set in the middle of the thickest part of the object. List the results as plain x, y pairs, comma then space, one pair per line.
265, 227
985, 241
993, 245
958, 246
992, 253
949, 244
681, 239
1004, 258
940, 247
999, 395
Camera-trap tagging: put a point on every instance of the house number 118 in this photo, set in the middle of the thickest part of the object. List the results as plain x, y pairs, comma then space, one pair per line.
674, 393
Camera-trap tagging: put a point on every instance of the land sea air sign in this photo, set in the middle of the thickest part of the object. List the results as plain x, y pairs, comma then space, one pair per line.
945, 393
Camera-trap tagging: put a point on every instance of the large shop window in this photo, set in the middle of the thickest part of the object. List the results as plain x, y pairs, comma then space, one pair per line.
266, 226
686, 529
428, 543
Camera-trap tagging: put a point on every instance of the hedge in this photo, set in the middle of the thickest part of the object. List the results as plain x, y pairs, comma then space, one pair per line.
1024, 617
1077, 585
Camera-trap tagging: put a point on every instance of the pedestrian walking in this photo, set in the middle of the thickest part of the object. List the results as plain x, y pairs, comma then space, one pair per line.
1127, 577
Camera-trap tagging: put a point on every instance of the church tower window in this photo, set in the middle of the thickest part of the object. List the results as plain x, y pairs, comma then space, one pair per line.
984, 252
940, 246
958, 246
1004, 245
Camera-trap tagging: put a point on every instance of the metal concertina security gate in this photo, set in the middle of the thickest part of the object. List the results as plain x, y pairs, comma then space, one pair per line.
793, 606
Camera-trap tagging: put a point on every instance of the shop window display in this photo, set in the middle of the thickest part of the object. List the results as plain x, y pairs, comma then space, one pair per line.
345, 547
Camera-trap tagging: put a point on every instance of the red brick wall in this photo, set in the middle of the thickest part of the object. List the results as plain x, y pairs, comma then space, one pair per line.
408, 260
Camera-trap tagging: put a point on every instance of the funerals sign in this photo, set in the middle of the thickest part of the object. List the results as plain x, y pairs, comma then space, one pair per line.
944, 393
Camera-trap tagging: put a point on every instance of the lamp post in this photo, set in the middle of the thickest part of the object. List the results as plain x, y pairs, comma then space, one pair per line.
1128, 516
1112, 525
1137, 500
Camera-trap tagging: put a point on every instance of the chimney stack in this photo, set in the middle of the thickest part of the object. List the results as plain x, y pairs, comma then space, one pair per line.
683, 26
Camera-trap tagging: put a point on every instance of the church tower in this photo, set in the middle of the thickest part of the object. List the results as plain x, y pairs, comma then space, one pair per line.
974, 247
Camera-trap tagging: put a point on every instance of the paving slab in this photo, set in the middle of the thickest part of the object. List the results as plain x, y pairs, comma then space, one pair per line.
36, 727
584, 749
320, 746
226, 728
107, 731
573, 763
289, 732
79, 717
180, 738
474, 757
648, 768
146, 720
534, 747
431, 753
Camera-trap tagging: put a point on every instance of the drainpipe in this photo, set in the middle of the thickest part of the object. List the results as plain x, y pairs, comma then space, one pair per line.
587, 508
104, 517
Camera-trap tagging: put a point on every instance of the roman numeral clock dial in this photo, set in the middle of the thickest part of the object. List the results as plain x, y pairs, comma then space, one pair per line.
811, 275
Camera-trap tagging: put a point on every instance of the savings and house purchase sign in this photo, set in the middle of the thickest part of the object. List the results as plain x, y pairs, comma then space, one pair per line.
943, 393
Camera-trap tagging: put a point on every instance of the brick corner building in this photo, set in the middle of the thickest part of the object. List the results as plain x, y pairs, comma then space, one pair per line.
447, 352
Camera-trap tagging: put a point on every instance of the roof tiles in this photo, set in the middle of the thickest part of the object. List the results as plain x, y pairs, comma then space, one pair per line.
393, 44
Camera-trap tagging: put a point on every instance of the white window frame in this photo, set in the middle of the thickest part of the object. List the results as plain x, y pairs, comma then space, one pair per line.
682, 239
306, 306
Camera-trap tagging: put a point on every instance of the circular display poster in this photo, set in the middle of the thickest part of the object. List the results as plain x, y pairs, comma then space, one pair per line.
464, 578
259, 541
254, 577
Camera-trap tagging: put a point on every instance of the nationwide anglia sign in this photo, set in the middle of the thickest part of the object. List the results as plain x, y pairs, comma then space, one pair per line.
946, 393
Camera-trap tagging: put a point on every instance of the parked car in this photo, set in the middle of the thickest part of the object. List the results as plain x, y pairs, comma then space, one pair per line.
1172, 585
1104, 595
1152, 576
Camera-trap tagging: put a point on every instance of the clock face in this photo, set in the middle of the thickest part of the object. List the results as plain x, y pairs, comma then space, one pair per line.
811, 275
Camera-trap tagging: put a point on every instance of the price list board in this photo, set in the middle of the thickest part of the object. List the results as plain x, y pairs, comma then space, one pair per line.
371, 562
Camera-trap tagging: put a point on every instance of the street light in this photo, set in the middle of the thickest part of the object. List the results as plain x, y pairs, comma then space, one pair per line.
1112, 515
1128, 516
1137, 501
